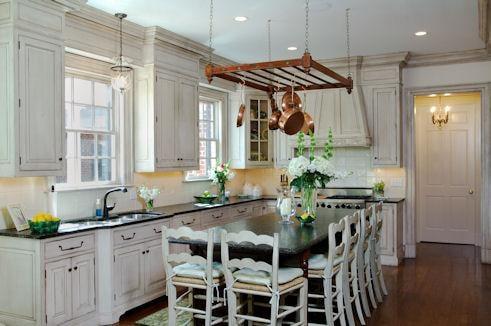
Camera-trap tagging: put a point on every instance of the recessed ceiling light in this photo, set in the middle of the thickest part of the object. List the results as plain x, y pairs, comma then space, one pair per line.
447, 94
432, 95
292, 48
421, 33
241, 18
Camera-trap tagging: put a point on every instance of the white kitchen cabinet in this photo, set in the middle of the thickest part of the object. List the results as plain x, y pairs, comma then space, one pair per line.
187, 124
129, 273
250, 146
58, 292
154, 267
391, 242
70, 288
32, 127
386, 127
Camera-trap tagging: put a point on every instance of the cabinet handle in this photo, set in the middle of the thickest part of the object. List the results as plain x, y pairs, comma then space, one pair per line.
157, 231
241, 211
217, 216
71, 248
129, 238
188, 223
75, 268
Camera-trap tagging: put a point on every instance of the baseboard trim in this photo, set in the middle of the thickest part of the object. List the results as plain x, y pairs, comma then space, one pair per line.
485, 256
410, 251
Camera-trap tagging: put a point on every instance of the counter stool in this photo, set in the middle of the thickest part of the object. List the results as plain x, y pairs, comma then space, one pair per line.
329, 267
247, 277
351, 239
376, 266
364, 261
192, 272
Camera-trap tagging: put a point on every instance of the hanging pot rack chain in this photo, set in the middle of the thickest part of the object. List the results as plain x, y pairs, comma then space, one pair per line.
210, 33
348, 40
307, 26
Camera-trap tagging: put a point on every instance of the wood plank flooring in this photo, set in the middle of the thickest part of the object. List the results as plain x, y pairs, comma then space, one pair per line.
446, 285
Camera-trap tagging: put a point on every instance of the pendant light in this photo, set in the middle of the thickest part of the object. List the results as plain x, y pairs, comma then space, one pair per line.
121, 71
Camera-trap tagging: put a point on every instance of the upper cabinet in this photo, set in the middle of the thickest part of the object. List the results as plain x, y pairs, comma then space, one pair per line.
250, 146
166, 111
32, 126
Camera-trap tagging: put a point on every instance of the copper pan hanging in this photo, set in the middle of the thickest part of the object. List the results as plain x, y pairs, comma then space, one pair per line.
292, 118
275, 113
308, 125
240, 115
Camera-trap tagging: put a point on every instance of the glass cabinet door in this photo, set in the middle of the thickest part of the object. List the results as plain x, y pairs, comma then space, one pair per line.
258, 131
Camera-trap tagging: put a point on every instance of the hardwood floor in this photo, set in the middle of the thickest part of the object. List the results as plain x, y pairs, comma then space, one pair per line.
445, 285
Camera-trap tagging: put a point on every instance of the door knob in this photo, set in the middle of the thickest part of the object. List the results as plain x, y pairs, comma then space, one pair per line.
471, 191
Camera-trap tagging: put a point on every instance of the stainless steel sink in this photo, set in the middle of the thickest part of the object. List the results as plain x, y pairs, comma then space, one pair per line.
137, 216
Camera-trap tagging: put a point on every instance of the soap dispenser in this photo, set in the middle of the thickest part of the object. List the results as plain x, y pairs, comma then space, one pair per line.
98, 208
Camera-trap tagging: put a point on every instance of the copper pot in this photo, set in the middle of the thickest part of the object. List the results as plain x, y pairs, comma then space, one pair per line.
275, 114
308, 124
240, 115
290, 100
291, 121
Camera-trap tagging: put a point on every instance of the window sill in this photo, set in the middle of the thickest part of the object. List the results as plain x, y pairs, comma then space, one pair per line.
87, 188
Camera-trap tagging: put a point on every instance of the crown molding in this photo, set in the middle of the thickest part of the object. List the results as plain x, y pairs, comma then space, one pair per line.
70, 5
155, 35
484, 13
417, 60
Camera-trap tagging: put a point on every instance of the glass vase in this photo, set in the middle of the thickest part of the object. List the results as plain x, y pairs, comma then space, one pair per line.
221, 192
309, 204
149, 205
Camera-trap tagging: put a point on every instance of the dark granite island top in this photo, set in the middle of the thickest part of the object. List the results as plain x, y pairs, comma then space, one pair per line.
294, 239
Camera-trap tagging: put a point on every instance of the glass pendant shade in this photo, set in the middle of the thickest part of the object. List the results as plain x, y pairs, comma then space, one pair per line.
121, 71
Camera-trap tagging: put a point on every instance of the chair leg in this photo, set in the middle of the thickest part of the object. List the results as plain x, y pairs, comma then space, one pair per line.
171, 297
347, 296
328, 302
274, 312
209, 304
363, 290
232, 308
375, 281
302, 302
381, 278
356, 292
250, 309
339, 299
369, 284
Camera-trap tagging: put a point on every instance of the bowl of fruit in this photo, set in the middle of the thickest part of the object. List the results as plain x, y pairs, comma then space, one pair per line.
306, 218
44, 223
206, 198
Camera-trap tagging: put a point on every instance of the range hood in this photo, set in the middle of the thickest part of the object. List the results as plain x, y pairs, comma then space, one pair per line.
344, 113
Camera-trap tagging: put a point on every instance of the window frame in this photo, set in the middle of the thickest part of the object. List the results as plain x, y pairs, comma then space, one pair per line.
116, 116
221, 100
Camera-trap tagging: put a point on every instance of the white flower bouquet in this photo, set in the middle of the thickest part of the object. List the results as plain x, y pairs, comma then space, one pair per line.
220, 175
148, 195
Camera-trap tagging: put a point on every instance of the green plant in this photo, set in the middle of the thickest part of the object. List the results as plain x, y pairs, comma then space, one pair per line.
379, 187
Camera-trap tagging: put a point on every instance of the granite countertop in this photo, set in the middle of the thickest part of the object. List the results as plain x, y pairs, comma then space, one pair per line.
159, 213
293, 238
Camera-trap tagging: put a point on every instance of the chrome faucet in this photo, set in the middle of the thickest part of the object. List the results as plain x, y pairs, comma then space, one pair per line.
106, 209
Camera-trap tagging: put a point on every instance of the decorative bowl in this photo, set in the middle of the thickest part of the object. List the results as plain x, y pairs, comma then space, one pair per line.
206, 199
45, 227
309, 219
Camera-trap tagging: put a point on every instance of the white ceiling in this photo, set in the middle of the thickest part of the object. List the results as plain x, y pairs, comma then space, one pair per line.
378, 26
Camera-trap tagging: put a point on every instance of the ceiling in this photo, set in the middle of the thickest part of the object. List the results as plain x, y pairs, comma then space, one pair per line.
377, 26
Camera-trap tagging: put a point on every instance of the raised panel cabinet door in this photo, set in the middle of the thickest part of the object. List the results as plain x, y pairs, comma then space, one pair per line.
129, 273
283, 149
41, 115
59, 291
187, 133
387, 235
386, 127
154, 267
166, 95
83, 285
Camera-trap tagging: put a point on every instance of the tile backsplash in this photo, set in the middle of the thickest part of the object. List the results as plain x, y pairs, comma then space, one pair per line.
33, 193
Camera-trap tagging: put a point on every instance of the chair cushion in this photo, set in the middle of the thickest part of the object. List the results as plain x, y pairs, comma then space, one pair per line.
319, 261
285, 275
197, 270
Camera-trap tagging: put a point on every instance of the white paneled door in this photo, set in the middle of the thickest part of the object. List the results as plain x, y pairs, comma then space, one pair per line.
448, 170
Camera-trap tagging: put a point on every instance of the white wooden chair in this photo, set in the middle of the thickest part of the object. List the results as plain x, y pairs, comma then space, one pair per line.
247, 277
192, 272
330, 269
364, 260
376, 266
351, 239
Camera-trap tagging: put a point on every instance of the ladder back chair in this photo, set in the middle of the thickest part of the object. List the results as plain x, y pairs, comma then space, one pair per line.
330, 268
376, 265
247, 277
192, 272
364, 261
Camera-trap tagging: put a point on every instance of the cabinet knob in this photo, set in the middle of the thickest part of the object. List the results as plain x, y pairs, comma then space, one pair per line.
60, 159
75, 268
143, 252
147, 251
375, 158
69, 270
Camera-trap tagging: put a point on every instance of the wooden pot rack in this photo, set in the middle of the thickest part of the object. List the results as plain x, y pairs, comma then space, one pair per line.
278, 76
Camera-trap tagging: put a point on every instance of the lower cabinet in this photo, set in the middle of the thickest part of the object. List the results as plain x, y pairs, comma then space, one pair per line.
70, 288
391, 242
129, 273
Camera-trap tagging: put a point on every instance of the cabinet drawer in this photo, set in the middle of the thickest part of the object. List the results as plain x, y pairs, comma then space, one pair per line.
129, 235
214, 217
69, 246
192, 221
240, 210
155, 229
